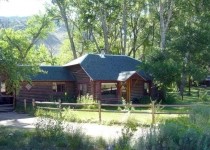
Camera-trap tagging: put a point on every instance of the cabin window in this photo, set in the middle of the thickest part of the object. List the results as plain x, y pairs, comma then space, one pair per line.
61, 88
54, 87
3, 87
82, 89
146, 88
109, 90
58, 87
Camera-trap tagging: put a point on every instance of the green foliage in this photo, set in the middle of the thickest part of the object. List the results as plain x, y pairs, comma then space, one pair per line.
205, 97
50, 130
170, 98
64, 55
124, 142
200, 116
18, 50
48, 134
87, 99
164, 68
181, 133
70, 115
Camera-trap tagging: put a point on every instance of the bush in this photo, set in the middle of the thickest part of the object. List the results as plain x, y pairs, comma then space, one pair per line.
87, 99
200, 116
173, 135
50, 134
182, 133
170, 98
124, 142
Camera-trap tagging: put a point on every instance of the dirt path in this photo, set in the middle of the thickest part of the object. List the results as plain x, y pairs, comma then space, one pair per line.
17, 120
14, 119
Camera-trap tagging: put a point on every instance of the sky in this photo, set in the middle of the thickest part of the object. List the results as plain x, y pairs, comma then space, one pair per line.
21, 7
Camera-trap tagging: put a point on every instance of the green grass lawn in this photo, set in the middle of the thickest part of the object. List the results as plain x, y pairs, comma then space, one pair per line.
107, 118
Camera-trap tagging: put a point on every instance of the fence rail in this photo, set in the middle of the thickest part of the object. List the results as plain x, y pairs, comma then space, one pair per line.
152, 106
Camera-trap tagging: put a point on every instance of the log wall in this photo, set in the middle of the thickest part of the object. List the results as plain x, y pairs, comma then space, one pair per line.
42, 91
137, 87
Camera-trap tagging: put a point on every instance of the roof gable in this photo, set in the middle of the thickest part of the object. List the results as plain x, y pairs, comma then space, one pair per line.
107, 67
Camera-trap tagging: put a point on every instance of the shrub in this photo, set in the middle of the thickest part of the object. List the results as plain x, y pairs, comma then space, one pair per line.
69, 115
200, 116
87, 99
181, 133
50, 134
124, 142
170, 98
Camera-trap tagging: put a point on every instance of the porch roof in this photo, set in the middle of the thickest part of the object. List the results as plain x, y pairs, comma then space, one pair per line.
123, 76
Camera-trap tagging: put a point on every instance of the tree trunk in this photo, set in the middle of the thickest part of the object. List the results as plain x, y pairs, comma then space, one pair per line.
183, 81
184, 75
124, 27
164, 22
104, 28
189, 85
64, 16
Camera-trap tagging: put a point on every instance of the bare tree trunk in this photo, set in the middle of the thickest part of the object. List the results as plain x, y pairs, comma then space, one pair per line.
183, 82
184, 75
104, 28
189, 84
65, 19
164, 22
124, 28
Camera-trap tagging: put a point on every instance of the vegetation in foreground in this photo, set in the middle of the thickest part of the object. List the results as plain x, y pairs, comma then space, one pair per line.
190, 133
89, 113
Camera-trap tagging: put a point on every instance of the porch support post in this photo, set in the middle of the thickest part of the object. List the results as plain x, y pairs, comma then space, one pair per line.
93, 90
128, 90
119, 90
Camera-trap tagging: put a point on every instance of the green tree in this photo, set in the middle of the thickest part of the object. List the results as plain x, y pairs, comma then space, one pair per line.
18, 50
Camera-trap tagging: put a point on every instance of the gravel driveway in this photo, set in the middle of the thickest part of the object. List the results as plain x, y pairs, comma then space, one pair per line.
14, 119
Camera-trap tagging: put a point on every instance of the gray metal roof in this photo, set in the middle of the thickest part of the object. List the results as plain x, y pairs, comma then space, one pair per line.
107, 67
53, 73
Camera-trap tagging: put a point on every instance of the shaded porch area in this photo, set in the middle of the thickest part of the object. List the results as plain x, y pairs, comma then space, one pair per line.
128, 87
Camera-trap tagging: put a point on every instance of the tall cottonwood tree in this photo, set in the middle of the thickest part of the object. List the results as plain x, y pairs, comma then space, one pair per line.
18, 49
64, 9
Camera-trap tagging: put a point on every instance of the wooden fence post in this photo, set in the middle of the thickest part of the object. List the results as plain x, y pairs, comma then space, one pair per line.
60, 108
99, 110
25, 105
153, 112
33, 104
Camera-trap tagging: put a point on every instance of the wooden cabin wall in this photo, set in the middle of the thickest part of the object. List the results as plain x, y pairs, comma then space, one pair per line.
81, 78
97, 90
42, 91
80, 75
137, 87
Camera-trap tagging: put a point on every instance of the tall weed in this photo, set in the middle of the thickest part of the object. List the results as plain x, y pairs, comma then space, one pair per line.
87, 99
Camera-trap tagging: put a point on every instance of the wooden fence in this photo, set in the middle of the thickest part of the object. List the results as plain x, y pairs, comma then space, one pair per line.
153, 107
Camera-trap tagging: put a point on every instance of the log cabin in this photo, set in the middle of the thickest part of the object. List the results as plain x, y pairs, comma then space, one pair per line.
52, 83
108, 78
